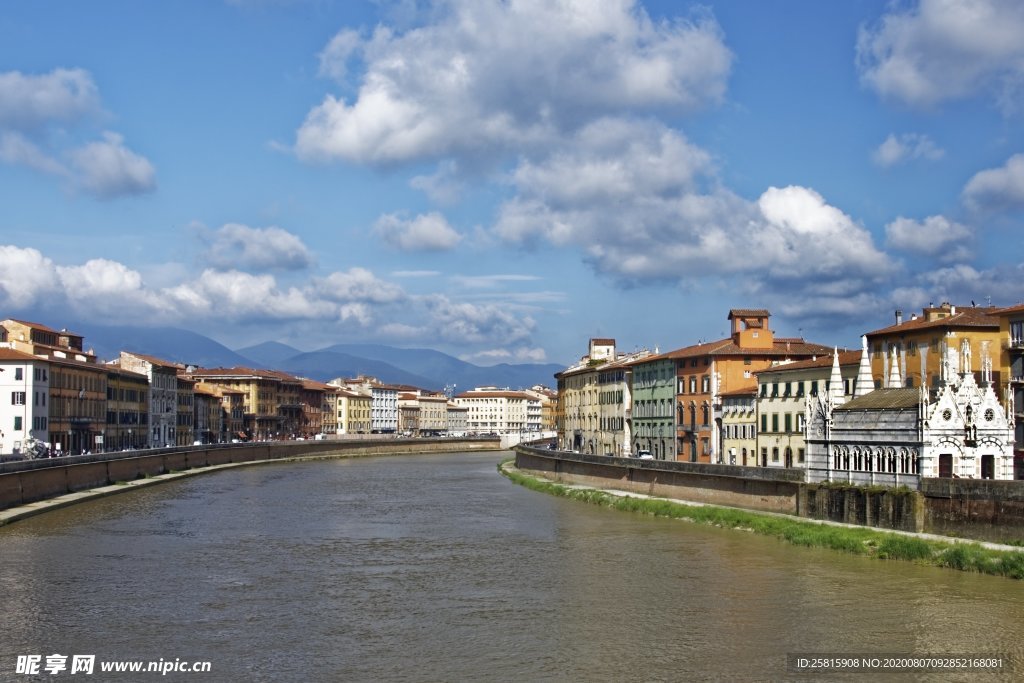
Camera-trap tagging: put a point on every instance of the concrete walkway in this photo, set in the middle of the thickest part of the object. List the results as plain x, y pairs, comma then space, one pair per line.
824, 522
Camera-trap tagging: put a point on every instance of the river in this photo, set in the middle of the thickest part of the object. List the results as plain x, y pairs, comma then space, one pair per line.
437, 568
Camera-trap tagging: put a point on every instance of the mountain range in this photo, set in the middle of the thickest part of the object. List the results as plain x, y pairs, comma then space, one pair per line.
423, 368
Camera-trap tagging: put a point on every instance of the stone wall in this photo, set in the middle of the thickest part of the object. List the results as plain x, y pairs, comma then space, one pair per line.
986, 510
33, 480
717, 484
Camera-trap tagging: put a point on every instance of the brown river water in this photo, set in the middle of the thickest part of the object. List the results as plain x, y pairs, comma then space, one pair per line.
437, 568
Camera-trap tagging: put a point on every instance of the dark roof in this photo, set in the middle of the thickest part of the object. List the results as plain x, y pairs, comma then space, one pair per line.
748, 313
885, 399
1017, 308
969, 316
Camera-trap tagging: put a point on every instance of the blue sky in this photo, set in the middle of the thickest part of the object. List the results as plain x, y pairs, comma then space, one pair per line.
504, 180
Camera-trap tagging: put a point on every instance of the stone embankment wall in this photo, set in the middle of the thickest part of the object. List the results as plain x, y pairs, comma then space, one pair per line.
29, 481
970, 508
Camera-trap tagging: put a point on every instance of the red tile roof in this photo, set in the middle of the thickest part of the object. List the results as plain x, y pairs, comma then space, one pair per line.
970, 316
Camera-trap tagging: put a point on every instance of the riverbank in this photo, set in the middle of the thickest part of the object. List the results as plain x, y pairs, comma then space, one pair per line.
925, 549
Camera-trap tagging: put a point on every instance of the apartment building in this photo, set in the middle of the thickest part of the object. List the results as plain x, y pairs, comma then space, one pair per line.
24, 402
127, 424
925, 344
163, 396
496, 411
1011, 369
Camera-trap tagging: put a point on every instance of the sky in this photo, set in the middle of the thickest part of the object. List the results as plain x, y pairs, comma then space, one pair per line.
504, 180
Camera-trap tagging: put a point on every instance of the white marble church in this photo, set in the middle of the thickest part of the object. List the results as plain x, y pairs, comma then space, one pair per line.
895, 436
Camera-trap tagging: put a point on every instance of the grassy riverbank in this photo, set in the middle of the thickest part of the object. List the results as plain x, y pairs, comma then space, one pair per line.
970, 557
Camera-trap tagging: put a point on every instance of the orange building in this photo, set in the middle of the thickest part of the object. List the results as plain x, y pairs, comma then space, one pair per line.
708, 371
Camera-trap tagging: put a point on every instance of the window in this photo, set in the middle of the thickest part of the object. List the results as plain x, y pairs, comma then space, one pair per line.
775, 389
814, 387
799, 455
764, 423
17, 398
17, 373
789, 422
775, 455
17, 423
775, 422
705, 384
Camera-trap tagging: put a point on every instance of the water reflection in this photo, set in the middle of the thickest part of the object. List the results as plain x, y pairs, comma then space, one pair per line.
436, 568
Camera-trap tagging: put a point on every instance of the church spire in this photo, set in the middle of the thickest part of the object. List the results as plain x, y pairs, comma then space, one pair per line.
895, 382
865, 383
835, 382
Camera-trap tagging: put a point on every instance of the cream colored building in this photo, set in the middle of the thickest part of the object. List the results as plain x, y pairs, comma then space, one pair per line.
739, 427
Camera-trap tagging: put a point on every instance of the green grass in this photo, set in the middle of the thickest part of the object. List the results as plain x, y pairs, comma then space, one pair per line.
858, 541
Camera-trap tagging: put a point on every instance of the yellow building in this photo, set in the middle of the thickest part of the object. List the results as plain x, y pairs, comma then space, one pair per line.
928, 346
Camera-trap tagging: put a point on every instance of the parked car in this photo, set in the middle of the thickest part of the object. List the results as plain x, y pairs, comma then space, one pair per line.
644, 455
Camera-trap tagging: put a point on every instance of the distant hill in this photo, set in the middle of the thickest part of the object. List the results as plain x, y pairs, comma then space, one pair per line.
424, 368
326, 365
167, 343
444, 369
269, 354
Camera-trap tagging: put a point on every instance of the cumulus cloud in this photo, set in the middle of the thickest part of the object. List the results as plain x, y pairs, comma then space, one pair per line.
476, 323
352, 301
235, 246
358, 285
426, 232
32, 101
491, 76
906, 147
997, 188
934, 236
108, 169
939, 50
646, 205
27, 277
443, 186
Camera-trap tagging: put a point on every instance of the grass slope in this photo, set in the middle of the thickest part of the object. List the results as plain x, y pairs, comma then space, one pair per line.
970, 557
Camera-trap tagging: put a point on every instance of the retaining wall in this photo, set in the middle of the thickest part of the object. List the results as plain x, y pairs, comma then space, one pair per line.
970, 508
33, 480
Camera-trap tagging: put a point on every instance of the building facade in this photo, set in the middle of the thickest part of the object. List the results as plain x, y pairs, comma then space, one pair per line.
24, 403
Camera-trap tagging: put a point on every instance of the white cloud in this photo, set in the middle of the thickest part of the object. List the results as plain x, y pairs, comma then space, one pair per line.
997, 188
489, 76
358, 285
334, 58
426, 232
517, 355
342, 302
663, 215
906, 147
108, 169
490, 281
63, 95
935, 236
938, 50
235, 246
475, 323
27, 278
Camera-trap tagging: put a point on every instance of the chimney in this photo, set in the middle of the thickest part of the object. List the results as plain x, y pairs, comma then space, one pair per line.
899, 317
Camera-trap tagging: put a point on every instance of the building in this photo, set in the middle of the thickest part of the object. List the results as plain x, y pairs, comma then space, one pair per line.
354, 411
594, 401
408, 414
651, 417
78, 384
24, 403
739, 427
208, 421
783, 392
163, 396
185, 431
127, 426
896, 436
264, 405
433, 417
457, 418
496, 411
1011, 368
705, 372
922, 343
